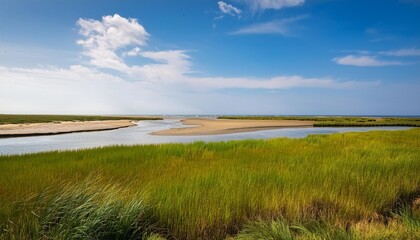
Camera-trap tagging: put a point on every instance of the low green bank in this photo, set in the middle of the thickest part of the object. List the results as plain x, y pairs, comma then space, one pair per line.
339, 121
22, 119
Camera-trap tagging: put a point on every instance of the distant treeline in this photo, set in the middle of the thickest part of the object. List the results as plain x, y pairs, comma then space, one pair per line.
337, 121
22, 119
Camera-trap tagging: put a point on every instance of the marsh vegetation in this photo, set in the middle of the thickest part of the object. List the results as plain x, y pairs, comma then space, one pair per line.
340, 121
340, 186
24, 119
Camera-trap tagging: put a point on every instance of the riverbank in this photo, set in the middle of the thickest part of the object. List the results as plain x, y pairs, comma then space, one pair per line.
51, 128
198, 126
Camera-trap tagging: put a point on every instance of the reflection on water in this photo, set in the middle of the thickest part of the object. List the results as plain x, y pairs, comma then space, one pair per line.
139, 135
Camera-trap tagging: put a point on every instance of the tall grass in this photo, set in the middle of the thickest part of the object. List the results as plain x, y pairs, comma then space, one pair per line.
210, 190
278, 229
85, 211
22, 118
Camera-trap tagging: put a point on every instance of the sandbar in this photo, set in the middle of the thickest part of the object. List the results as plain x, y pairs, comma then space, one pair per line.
226, 126
35, 129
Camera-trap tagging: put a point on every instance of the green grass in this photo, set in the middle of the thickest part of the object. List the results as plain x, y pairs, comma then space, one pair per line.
22, 119
278, 229
340, 186
338, 121
85, 211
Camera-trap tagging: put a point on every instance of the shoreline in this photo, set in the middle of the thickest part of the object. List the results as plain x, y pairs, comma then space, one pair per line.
55, 128
199, 126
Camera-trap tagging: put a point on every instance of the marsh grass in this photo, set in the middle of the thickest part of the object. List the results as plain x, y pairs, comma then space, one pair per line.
339, 121
210, 190
274, 229
89, 210
403, 225
23, 119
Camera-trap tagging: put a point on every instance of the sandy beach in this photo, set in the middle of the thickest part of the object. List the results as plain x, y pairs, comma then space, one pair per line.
34, 129
225, 126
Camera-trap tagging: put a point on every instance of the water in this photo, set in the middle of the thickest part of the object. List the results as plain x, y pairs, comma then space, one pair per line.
140, 135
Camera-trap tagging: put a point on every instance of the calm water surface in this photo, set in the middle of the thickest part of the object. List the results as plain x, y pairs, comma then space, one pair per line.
140, 135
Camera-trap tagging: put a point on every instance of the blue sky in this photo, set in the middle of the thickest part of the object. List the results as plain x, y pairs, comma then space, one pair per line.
210, 57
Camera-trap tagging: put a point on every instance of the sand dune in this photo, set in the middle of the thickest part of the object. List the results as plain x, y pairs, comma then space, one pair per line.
224, 126
33, 129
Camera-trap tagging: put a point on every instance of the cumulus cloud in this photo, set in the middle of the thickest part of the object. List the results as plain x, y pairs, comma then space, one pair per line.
405, 52
261, 5
170, 66
156, 87
228, 9
103, 38
174, 66
281, 27
364, 61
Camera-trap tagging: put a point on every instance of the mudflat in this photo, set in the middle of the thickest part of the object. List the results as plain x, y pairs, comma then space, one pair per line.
225, 126
33, 129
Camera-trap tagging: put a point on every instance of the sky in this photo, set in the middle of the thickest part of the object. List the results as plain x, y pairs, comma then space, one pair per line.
262, 57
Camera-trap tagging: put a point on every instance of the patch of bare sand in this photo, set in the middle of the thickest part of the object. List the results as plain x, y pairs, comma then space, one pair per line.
225, 126
33, 129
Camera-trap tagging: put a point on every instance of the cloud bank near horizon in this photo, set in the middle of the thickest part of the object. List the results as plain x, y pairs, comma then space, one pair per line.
105, 83
154, 87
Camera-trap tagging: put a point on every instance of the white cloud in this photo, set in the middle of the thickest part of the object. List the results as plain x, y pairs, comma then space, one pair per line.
260, 5
82, 90
406, 52
164, 86
173, 67
281, 26
228, 9
170, 66
103, 38
364, 61
133, 52
177, 57
278, 82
